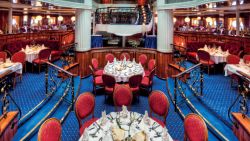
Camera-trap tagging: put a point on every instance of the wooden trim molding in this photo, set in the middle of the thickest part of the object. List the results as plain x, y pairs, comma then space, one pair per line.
84, 58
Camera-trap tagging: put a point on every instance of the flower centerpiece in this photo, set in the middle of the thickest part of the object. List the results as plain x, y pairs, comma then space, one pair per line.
134, 43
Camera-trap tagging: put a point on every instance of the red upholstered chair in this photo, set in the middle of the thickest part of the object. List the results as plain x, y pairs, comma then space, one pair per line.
97, 80
95, 65
143, 59
233, 59
134, 83
125, 54
109, 57
3, 55
246, 59
195, 128
151, 66
21, 58
204, 59
109, 84
50, 130
147, 82
84, 107
122, 96
159, 105
43, 57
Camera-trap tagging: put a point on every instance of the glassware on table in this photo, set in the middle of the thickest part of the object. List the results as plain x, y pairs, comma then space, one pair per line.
146, 118
165, 135
124, 112
104, 118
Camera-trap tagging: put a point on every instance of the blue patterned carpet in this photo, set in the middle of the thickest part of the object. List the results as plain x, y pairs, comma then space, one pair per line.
218, 96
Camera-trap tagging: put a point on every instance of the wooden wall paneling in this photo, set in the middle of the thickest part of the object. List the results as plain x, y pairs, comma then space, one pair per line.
162, 61
83, 58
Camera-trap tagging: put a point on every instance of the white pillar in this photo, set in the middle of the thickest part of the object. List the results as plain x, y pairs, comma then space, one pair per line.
165, 30
10, 21
237, 22
93, 23
83, 29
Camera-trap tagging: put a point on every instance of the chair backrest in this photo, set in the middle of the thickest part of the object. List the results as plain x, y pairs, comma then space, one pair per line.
125, 54
159, 104
108, 80
84, 106
203, 55
44, 54
50, 130
195, 128
95, 63
233, 59
109, 57
3, 55
143, 59
19, 57
246, 59
122, 96
151, 64
134, 81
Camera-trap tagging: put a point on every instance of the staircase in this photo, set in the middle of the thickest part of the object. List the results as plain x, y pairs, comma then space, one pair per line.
185, 87
61, 93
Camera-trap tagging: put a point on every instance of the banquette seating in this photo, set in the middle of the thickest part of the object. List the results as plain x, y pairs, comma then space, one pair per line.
16, 46
192, 48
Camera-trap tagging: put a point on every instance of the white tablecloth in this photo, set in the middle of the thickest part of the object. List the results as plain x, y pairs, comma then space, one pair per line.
130, 69
32, 53
216, 55
104, 133
15, 67
233, 68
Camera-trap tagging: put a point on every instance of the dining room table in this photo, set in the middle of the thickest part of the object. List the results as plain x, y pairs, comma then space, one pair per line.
125, 126
32, 52
216, 54
122, 70
235, 68
10, 66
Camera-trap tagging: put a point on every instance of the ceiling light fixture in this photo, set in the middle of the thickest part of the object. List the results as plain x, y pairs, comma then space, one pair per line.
60, 18
187, 19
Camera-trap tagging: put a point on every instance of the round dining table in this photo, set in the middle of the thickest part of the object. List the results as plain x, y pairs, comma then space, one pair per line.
123, 70
119, 126
216, 55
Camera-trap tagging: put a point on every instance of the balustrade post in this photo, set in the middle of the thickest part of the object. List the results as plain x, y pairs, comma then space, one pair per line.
46, 79
201, 81
175, 94
72, 92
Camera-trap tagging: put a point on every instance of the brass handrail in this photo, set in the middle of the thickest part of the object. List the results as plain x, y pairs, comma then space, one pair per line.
61, 69
186, 71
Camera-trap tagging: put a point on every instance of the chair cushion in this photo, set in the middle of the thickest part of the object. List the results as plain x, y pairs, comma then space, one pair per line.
56, 53
192, 54
87, 124
145, 81
147, 73
158, 121
39, 61
99, 72
111, 90
133, 89
210, 62
98, 80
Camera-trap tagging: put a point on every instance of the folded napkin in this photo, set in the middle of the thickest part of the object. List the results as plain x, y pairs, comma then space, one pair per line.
140, 136
117, 134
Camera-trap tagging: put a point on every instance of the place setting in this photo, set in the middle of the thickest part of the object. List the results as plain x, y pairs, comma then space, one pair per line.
125, 126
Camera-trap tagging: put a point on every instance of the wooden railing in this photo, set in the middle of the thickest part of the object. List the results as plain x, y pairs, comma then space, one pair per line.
182, 38
63, 37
